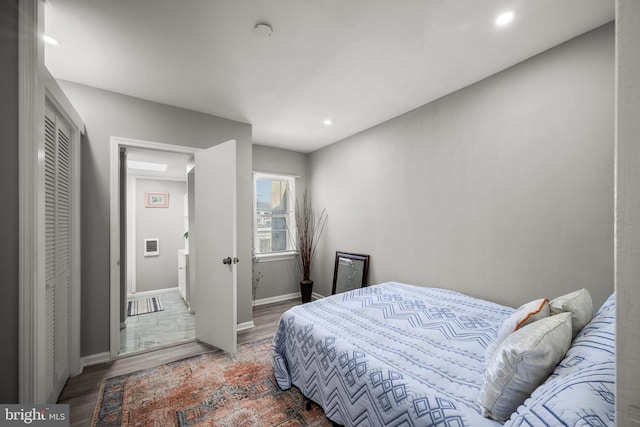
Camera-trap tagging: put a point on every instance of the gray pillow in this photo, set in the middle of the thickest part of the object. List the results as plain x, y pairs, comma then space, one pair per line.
579, 304
522, 362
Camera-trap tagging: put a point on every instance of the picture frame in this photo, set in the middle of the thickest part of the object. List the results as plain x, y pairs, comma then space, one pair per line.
156, 200
351, 271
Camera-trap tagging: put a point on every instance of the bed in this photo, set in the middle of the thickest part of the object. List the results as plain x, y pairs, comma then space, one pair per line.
395, 354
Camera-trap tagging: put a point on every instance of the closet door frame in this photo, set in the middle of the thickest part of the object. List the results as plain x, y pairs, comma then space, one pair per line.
35, 86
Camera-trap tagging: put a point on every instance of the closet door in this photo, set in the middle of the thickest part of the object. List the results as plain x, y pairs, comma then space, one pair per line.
57, 251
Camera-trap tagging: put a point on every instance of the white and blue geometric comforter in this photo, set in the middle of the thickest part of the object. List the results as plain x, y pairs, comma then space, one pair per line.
389, 355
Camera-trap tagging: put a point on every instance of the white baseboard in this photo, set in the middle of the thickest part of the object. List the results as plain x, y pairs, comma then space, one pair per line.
154, 292
279, 298
94, 359
285, 297
244, 326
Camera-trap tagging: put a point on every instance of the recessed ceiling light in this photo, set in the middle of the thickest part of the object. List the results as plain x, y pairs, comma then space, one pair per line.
327, 122
505, 18
50, 40
146, 166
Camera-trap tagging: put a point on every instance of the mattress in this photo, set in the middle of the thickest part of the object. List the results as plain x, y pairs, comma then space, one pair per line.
390, 354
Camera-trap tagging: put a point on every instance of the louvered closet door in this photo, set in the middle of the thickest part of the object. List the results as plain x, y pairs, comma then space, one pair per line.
57, 251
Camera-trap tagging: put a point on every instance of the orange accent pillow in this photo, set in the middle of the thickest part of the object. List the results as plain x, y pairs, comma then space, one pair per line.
532, 316
525, 314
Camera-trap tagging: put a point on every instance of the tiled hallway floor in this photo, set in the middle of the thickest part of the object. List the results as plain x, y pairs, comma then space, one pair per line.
169, 326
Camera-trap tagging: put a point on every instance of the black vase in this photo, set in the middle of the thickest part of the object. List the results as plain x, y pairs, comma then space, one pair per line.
306, 288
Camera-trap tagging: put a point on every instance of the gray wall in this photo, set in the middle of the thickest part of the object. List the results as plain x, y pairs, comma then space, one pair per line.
9, 149
501, 190
279, 277
167, 224
108, 114
628, 213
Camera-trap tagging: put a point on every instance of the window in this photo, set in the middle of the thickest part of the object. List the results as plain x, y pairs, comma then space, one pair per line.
274, 222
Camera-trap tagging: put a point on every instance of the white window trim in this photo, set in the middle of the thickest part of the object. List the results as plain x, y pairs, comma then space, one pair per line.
276, 256
279, 255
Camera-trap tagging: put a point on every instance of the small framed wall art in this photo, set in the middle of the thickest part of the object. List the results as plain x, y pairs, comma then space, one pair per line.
156, 200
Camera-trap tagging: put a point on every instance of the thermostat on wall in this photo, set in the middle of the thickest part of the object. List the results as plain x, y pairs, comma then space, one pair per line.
151, 247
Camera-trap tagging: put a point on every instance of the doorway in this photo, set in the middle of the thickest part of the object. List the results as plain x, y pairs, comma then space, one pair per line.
148, 311
155, 308
215, 282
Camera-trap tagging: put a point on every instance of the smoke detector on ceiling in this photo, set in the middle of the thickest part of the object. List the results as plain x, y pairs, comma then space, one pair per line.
263, 30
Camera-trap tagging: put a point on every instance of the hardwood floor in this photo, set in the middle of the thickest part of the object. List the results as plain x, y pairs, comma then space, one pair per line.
81, 392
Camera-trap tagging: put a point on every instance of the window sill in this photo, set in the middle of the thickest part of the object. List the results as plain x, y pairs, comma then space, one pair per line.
275, 256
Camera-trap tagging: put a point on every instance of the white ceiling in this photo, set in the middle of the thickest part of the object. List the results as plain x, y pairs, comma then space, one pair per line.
358, 62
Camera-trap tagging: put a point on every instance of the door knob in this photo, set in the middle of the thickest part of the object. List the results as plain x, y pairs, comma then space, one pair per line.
227, 260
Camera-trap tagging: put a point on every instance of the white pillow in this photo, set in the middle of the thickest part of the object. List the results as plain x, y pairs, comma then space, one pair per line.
525, 314
579, 304
522, 362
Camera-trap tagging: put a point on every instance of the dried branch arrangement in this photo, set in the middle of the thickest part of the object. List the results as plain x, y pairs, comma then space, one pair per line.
310, 229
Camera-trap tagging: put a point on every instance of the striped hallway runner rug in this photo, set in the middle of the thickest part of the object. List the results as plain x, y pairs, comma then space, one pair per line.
144, 306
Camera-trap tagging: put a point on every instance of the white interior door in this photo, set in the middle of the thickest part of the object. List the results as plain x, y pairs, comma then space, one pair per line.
215, 252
